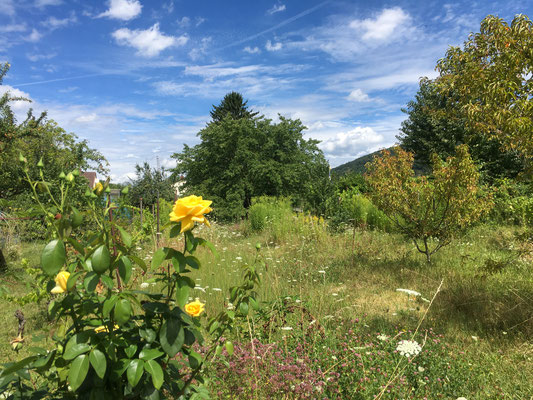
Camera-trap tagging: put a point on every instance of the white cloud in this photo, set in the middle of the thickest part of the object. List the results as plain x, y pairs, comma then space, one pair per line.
7, 7
201, 50
273, 47
169, 7
69, 89
251, 50
44, 3
184, 22
199, 21
86, 118
38, 57
12, 27
123, 9
55, 23
34, 36
353, 142
276, 8
387, 23
149, 42
358, 95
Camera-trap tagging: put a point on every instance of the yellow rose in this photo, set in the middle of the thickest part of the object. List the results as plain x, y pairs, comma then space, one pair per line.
189, 210
103, 328
195, 308
61, 282
98, 188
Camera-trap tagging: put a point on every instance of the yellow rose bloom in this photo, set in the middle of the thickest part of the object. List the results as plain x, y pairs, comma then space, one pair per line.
98, 188
103, 328
61, 282
189, 210
195, 308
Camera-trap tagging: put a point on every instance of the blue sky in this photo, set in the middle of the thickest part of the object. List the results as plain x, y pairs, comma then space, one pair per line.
137, 78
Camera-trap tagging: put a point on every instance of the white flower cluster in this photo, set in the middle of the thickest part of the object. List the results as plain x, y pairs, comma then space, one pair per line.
408, 348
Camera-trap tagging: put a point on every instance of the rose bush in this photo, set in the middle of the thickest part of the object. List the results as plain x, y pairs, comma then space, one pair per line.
111, 340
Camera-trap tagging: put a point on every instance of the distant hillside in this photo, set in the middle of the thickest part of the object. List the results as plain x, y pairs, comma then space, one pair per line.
357, 165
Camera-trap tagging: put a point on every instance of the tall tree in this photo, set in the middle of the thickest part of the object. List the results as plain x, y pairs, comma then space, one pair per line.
492, 77
148, 183
238, 159
233, 105
430, 129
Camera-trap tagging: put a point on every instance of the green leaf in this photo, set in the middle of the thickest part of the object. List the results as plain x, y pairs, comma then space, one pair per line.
189, 241
106, 280
150, 354
172, 336
101, 259
178, 260
123, 311
175, 230
18, 365
229, 348
124, 269
193, 262
154, 369
76, 218
126, 237
78, 371
208, 244
71, 352
108, 305
195, 360
135, 372
71, 281
91, 281
182, 292
158, 257
98, 361
130, 350
138, 261
78, 338
53, 257
148, 334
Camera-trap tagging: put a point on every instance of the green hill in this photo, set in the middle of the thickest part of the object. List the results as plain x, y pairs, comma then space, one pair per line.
357, 165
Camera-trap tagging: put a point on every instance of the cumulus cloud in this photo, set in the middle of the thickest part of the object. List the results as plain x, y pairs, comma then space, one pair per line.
123, 9
149, 42
12, 28
34, 36
276, 8
184, 22
7, 7
55, 23
387, 23
251, 50
358, 96
273, 46
352, 143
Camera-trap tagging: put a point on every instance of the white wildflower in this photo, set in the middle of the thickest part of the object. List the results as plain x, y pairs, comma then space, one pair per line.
321, 271
238, 258
215, 289
408, 348
383, 337
286, 328
145, 285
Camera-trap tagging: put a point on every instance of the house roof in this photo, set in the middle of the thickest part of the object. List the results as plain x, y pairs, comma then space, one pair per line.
91, 177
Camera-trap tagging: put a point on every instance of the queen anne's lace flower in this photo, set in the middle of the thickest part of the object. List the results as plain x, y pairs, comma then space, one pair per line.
409, 292
408, 348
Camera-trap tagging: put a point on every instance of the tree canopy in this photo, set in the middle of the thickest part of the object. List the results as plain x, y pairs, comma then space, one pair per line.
148, 183
492, 78
238, 159
38, 138
430, 129
233, 105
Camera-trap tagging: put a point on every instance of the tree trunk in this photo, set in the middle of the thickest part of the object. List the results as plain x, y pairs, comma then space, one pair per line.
3, 262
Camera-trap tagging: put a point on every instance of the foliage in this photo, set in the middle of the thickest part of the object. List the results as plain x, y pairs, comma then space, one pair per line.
350, 208
491, 77
111, 340
429, 129
149, 183
513, 204
350, 181
234, 106
423, 208
244, 158
266, 211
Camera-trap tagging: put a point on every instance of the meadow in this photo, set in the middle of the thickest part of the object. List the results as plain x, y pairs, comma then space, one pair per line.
335, 307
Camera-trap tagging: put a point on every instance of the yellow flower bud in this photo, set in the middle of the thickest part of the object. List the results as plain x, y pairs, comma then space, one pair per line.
61, 282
